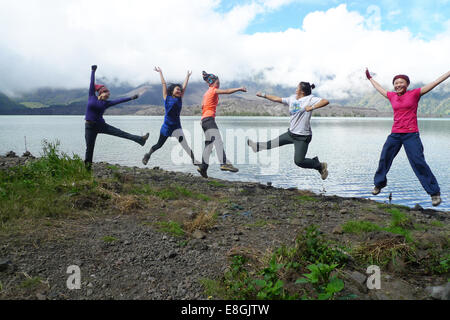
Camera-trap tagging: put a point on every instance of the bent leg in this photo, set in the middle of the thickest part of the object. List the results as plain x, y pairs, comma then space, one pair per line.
390, 150
301, 148
113, 131
161, 140
414, 151
182, 140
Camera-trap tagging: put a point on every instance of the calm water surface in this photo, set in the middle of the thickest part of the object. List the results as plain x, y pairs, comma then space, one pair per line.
351, 146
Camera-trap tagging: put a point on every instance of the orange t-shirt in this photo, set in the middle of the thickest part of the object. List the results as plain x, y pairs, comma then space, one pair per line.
209, 103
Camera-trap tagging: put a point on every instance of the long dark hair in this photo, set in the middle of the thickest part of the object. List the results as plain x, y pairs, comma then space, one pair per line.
306, 87
172, 87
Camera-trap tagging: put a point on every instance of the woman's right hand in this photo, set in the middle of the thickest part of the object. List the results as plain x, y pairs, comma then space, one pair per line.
260, 94
94, 67
158, 69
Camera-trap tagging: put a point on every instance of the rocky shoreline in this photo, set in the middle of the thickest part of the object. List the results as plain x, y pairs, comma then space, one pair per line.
127, 244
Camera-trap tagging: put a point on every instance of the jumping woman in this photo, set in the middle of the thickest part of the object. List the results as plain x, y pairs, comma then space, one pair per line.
405, 131
95, 123
172, 123
301, 105
209, 126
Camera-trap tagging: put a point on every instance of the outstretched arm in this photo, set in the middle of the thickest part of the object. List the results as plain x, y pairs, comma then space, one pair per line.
185, 83
322, 103
376, 85
163, 82
270, 97
230, 91
92, 85
432, 85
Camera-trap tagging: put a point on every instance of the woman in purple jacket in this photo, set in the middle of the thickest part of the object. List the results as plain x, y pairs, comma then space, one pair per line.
95, 123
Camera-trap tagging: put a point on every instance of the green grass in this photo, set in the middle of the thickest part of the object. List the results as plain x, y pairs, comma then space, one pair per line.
360, 227
171, 227
44, 187
436, 223
31, 282
109, 239
215, 183
170, 193
399, 223
306, 199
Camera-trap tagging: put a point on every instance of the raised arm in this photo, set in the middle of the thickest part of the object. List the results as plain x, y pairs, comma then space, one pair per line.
427, 88
269, 97
92, 85
163, 82
121, 100
185, 83
322, 103
230, 91
376, 85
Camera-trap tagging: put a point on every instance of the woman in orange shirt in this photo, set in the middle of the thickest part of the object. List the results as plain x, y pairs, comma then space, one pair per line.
209, 126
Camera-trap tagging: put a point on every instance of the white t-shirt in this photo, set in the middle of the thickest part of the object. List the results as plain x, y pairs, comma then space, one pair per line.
300, 118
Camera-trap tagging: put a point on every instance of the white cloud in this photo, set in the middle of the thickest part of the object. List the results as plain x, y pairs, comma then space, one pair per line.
53, 43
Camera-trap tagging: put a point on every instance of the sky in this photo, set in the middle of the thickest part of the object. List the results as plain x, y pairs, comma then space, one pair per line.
330, 43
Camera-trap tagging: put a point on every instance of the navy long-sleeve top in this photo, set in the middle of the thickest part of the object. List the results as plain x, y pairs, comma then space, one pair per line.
96, 108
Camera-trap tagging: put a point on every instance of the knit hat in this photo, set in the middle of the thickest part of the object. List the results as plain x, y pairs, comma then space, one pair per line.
401, 76
209, 77
100, 88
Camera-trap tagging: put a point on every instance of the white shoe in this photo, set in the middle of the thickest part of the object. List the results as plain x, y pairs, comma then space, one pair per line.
436, 200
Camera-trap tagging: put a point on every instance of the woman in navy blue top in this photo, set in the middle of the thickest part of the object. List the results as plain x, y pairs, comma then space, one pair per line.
172, 123
95, 123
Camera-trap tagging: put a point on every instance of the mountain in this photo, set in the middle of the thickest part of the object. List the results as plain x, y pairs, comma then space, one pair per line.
8, 106
73, 101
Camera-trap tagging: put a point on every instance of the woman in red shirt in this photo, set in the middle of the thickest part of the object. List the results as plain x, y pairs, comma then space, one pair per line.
405, 131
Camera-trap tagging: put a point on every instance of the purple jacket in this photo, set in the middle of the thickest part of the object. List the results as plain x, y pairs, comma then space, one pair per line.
96, 108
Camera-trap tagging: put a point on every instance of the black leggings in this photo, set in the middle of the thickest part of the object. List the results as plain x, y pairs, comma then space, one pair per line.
301, 147
212, 138
181, 139
92, 129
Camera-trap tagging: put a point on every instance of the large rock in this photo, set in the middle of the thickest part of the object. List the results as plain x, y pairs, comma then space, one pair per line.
439, 292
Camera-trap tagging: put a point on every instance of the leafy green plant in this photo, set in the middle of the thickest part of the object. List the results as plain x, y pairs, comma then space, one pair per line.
319, 277
171, 227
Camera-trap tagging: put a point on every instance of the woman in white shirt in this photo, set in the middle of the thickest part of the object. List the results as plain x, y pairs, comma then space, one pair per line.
299, 133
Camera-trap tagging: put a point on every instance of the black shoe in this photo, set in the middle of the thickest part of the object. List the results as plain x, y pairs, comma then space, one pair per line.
146, 158
144, 139
202, 169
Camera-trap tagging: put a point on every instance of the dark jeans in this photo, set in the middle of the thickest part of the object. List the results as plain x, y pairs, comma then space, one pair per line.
178, 133
301, 144
414, 152
92, 129
212, 138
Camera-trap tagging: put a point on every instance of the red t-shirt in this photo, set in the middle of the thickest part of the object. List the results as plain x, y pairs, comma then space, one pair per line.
405, 111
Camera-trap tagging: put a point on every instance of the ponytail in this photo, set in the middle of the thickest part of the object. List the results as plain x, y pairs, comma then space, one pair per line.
306, 87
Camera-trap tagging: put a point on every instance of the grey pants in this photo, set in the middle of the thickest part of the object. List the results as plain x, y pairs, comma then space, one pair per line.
212, 138
178, 133
301, 147
92, 129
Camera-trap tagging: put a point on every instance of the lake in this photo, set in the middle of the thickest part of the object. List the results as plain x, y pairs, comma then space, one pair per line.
351, 146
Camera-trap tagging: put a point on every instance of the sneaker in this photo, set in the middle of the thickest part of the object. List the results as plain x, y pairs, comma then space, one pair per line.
203, 171
144, 139
146, 158
228, 167
436, 200
252, 144
324, 170
376, 191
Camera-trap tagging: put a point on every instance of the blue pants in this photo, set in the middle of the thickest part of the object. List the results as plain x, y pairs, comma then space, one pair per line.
414, 152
